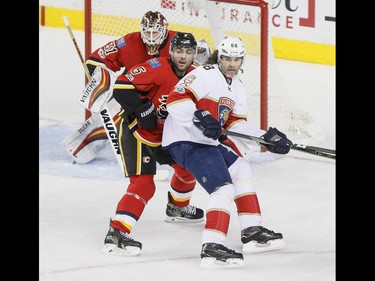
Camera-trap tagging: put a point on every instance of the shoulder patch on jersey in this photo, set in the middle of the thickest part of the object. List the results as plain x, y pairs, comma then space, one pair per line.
188, 80
154, 63
180, 90
120, 42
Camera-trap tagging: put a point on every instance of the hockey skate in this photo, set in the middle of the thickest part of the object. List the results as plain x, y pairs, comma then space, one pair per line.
119, 243
259, 239
215, 255
188, 214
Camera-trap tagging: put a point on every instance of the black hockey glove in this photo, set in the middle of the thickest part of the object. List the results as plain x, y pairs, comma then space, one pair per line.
210, 127
281, 144
223, 138
146, 115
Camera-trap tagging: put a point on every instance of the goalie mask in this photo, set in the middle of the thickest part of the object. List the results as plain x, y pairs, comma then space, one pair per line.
203, 51
154, 29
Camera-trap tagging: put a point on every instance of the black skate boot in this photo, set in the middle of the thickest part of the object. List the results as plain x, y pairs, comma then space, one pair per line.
117, 242
217, 255
186, 214
260, 239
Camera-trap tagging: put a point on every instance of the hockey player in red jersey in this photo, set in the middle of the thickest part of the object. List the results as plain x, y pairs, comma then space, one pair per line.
142, 94
152, 41
207, 99
117, 56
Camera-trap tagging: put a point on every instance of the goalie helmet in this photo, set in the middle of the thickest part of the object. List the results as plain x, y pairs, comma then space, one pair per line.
231, 47
183, 40
154, 30
203, 51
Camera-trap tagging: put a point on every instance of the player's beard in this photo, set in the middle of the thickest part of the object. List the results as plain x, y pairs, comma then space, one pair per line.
181, 70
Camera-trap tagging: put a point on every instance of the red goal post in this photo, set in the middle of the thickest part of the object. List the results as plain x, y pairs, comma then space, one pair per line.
269, 102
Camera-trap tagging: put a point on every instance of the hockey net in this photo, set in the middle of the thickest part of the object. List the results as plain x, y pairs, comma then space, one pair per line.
268, 100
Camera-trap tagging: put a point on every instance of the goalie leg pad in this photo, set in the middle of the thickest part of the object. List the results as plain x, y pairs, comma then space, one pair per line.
90, 139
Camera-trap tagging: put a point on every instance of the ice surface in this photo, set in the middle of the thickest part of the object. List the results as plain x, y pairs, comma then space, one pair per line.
296, 193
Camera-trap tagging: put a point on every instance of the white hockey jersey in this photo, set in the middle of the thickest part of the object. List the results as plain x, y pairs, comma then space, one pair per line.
206, 88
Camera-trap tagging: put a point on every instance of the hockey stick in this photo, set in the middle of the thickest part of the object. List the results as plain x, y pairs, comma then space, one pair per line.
319, 151
108, 123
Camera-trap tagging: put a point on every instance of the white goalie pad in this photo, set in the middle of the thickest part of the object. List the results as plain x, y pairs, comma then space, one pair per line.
98, 90
83, 145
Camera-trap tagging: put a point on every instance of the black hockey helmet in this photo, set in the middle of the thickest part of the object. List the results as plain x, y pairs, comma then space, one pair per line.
183, 40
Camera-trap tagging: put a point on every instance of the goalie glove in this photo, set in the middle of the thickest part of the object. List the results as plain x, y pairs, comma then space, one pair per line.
98, 90
146, 115
210, 127
280, 144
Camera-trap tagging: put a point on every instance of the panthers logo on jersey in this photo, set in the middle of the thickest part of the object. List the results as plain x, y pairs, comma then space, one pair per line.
225, 107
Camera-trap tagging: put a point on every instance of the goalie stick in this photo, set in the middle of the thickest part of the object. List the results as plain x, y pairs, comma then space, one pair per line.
106, 118
319, 151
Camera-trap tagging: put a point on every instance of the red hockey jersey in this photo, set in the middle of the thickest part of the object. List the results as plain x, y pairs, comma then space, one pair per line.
154, 79
126, 51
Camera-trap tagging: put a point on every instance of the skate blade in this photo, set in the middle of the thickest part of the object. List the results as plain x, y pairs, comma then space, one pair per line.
182, 220
129, 251
212, 263
254, 247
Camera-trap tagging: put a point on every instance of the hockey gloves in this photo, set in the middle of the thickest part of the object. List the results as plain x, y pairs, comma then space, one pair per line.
210, 127
280, 143
146, 115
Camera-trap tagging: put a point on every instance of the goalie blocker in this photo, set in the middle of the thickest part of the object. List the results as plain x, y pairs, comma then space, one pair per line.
98, 90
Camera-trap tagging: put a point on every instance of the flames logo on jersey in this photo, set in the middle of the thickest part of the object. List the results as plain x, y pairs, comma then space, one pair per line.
225, 107
161, 110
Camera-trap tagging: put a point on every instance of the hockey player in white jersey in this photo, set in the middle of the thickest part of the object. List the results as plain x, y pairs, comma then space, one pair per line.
205, 101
